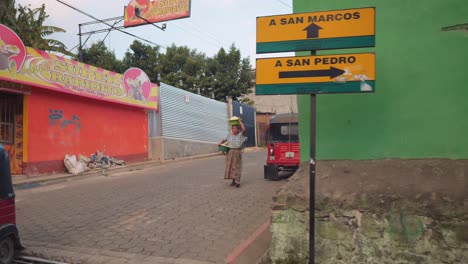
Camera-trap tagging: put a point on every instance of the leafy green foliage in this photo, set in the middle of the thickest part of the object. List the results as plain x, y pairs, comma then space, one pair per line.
98, 55
144, 57
8, 13
233, 75
226, 74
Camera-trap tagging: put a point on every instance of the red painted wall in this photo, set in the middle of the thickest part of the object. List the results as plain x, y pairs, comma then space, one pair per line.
60, 124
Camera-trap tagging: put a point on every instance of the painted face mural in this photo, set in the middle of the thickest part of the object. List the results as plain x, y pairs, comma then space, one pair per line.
137, 84
12, 50
137, 8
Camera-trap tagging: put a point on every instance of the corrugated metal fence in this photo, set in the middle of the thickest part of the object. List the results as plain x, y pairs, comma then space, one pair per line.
154, 124
191, 116
247, 113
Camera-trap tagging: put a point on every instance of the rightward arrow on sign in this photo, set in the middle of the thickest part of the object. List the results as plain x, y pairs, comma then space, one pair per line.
312, 30
332, 72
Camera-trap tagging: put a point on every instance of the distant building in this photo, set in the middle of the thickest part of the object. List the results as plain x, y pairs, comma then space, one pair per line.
273, 103
268, 105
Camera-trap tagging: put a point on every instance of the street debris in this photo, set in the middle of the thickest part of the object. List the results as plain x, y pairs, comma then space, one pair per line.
96, 161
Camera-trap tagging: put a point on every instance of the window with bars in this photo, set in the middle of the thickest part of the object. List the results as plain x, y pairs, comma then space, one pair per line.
10, 104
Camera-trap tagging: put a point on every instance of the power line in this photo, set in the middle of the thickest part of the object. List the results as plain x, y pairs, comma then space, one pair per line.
199, 37
285, 4
197, 28
102, 42
76, 46
112, 27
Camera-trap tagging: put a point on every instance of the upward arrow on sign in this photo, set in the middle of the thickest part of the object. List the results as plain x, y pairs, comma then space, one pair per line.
334, 29
312, 30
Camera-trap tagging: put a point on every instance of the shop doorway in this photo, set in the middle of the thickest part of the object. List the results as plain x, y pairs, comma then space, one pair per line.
11, 129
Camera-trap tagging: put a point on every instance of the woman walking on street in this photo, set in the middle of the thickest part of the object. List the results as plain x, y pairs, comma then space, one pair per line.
235, 141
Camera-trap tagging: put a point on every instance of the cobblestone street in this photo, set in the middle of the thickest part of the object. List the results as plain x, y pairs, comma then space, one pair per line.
183, 210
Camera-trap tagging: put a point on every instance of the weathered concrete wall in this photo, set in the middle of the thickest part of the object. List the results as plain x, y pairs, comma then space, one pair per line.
273, 104
263, 121
174, 148
381, 211
156, 149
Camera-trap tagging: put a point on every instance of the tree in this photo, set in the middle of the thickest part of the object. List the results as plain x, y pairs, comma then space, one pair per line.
184, 68
144, 57
246, 79
29, 25
233, 76
8, 13
223, 75
98, 55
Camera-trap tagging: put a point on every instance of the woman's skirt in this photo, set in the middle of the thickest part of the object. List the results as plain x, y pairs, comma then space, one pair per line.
233, 168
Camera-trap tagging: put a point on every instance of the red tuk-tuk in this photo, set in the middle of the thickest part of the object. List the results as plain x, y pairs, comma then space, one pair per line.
283, 145
9, 238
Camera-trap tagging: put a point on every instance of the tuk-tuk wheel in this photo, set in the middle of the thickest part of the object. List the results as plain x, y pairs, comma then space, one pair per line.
7, 250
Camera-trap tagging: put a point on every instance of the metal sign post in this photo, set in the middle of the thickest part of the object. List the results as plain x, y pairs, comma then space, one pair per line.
337, 73
313, 116
313, 126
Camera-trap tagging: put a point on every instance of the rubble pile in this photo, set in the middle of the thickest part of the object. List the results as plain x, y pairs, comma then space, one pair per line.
96, 161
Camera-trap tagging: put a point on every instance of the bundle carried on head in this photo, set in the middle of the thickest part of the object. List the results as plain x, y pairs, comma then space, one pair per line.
233, 121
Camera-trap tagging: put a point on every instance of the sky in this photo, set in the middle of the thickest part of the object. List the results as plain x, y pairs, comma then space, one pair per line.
212, 24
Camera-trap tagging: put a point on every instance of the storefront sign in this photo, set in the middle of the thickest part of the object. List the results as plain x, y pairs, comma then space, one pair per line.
141, 12
49, 71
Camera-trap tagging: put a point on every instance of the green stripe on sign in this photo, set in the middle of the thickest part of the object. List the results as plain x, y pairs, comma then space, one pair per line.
315, 88
316, 44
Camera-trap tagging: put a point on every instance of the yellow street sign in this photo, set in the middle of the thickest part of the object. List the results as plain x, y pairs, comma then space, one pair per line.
349, 28
316, 74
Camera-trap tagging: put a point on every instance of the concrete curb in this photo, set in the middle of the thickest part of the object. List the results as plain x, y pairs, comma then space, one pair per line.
254, 248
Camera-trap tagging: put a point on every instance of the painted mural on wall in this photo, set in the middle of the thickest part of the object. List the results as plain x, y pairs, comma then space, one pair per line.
137, 84
57, 118
64, 127
12, 50
17, 166
15, 150
41, 69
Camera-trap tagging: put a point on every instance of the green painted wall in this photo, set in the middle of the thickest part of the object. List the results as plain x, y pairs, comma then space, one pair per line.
420, 107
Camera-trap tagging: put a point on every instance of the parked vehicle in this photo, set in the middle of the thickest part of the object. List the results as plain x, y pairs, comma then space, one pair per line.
9, 238
283, 145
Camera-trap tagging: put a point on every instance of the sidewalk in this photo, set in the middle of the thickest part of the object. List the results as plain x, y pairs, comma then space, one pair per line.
24, 182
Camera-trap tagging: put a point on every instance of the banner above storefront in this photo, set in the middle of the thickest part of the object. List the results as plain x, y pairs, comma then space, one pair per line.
142, 12
41, 69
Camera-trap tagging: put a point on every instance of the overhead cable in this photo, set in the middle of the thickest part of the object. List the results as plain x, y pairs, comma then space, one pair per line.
104, 22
